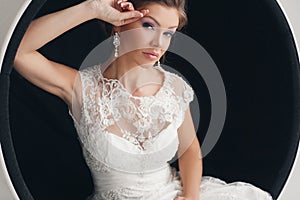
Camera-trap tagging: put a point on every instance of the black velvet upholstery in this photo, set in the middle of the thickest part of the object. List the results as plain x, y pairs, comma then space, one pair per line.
252, 45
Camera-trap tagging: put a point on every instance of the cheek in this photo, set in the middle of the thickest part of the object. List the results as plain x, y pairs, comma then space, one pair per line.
135, 39
165, 43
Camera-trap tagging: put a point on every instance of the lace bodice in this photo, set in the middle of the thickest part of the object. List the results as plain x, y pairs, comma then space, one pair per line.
122, 133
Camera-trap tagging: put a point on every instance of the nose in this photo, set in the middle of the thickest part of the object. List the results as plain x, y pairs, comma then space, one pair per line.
157, 40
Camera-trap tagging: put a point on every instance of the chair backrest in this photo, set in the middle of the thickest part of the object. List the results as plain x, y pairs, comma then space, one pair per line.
252, 45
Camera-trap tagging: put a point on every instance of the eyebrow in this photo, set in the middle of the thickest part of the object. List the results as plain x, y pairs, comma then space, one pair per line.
158, 22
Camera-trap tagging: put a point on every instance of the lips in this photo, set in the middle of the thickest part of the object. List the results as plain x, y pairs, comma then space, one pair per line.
151, 55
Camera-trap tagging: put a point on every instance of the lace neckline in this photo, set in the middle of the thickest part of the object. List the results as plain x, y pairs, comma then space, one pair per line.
164, 83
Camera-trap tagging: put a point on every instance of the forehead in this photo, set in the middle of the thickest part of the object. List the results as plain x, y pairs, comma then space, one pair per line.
165, 16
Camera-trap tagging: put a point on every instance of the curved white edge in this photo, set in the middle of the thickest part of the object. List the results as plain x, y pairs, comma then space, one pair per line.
290, 190
7, 191
14, 9
11, 12
284, 7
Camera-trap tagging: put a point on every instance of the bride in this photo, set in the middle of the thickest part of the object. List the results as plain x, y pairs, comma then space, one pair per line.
132, 116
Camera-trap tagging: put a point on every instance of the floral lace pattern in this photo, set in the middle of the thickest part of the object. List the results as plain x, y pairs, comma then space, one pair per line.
108, 104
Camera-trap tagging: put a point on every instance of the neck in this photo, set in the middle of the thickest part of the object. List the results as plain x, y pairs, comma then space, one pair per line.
116, 68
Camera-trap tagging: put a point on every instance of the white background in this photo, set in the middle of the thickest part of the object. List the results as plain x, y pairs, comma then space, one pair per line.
10, 12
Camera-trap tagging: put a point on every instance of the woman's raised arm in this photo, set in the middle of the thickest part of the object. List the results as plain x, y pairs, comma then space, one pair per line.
54, 77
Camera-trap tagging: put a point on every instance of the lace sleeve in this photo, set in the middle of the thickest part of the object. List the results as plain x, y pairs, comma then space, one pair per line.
89, 94
83, 97
187, 95
184, 92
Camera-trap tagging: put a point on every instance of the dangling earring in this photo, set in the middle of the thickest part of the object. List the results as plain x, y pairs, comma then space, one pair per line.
116, 43
157, 64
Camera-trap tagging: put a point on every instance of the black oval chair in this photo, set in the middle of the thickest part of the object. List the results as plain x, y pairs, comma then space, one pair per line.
254, 49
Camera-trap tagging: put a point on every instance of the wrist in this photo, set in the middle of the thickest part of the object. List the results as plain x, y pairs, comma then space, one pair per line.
92, 8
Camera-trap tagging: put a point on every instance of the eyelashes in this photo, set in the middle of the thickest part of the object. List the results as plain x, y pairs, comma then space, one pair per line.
169, 34
150, 26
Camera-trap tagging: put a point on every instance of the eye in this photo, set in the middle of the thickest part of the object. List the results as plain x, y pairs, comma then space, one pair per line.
148, 25
169, 34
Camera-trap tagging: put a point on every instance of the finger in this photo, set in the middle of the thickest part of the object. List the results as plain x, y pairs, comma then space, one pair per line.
127, 6
119, 1
144, 11
117, 4
131, 14
128, 21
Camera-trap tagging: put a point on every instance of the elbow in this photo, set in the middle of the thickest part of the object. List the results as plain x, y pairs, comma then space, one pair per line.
19, 56
22, 53
19, 59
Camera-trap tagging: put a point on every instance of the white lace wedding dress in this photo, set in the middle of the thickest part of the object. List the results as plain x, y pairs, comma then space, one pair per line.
128, 141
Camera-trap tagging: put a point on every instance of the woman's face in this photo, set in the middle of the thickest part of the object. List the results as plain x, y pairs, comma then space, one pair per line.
146, 40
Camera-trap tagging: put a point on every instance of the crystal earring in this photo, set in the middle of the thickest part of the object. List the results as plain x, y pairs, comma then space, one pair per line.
116, 43
157, 63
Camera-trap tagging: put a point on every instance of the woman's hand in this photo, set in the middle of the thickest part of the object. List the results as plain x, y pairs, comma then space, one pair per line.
115, 12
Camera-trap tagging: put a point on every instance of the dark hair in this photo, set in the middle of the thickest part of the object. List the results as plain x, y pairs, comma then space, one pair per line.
180, 5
